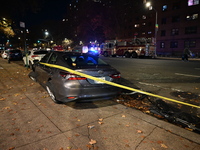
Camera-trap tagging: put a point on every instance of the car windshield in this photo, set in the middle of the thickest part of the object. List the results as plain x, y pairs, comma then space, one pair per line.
40, 52
78, 61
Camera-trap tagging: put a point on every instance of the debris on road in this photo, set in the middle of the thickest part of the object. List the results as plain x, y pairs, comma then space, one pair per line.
175, 114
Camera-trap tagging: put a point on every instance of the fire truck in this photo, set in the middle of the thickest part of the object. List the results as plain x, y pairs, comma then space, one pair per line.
134, 48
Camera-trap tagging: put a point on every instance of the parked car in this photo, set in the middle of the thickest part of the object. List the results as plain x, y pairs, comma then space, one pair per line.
14, 54
4, 54
33, 55
63, 86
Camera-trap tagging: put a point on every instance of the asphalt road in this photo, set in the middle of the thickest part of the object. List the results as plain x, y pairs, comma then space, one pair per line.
184, 76
171, 78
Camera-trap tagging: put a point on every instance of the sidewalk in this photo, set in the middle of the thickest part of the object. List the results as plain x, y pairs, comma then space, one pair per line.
31, 121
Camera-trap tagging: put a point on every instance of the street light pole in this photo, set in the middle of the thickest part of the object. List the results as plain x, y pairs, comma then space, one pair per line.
156, 30
148, 4
22, 24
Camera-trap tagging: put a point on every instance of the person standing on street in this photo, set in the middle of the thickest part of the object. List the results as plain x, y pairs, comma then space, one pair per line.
186, 52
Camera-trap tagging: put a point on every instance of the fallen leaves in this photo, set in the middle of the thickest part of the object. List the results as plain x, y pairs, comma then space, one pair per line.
2, 99
90, 127
139, 131
163, 145
6, 108
17, 94
92, 142
100, 121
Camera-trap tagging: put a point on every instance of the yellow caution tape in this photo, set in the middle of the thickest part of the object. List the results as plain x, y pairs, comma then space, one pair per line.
117, 85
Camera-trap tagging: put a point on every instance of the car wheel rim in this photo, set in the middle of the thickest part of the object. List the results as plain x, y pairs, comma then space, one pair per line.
32, 78
51, 94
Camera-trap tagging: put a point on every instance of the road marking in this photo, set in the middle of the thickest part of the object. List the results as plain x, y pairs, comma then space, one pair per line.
148, 84
197, 68
1, 67
188, 75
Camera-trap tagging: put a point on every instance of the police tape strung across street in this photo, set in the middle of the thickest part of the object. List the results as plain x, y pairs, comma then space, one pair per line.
117, 85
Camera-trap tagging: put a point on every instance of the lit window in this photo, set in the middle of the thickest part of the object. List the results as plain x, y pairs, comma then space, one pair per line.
164, 8
192, 17
144, 17
174, 32
195, 16
193, 2
149, 32
137, 25
162, 44
143, 23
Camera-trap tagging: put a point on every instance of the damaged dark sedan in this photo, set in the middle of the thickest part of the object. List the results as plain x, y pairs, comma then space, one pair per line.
64, 86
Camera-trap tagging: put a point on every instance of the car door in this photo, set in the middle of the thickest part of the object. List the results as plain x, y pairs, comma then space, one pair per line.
42, 70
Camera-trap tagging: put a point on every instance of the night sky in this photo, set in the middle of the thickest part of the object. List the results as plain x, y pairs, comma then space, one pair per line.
33, 12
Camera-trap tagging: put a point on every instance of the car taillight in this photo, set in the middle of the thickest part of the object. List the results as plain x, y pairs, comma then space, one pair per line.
34, 56
115, 76
71, 76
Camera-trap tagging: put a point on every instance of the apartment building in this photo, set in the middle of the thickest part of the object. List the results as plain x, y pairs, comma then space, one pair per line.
178, 27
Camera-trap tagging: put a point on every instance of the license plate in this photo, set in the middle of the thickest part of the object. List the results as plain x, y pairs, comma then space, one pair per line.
102, 78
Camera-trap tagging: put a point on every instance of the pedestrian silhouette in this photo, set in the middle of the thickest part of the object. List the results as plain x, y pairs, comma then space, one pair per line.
186, 52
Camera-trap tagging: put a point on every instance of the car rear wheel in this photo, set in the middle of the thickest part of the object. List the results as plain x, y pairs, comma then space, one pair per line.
51, 94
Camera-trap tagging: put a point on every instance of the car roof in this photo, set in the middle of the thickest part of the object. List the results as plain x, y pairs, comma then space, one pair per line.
72, 53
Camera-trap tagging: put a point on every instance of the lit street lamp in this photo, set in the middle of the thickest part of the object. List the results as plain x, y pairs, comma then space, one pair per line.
46, 33
46, 37
148, 4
